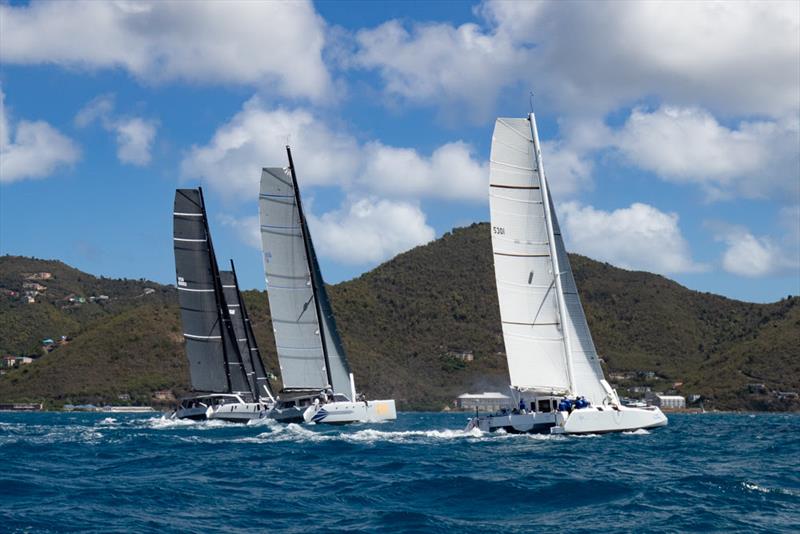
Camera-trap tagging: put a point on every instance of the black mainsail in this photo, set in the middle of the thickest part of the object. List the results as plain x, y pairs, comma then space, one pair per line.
215, 361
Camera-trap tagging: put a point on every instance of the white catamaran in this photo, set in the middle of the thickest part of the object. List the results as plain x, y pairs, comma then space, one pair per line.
317, 383
555, 371
224, 362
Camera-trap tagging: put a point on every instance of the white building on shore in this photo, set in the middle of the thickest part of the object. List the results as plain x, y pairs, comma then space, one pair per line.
668, 401
486, 401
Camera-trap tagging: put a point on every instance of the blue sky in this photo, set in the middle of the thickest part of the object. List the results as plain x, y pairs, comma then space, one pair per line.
671, 130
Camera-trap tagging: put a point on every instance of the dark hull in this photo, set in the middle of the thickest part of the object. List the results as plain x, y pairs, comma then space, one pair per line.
537, 429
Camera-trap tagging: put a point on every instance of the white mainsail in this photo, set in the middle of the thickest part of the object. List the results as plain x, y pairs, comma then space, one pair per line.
543, 357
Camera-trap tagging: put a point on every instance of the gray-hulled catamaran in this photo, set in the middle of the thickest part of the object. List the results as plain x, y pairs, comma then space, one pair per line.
555, 371
226, 369
317, 383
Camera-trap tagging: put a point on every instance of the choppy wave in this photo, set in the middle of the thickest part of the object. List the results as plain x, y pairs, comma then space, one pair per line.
421, 473
637, 432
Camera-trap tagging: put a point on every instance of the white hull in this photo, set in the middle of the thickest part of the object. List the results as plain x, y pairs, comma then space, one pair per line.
591, 420
233, 409
343, 412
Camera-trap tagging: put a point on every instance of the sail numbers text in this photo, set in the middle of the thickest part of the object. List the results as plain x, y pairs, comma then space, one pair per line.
498, 230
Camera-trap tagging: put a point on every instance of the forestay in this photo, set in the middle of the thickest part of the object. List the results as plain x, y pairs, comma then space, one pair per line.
214, 361
526, 286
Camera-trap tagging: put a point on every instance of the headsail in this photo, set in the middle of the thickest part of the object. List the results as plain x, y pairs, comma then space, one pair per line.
539, 359
586, 371
215, 363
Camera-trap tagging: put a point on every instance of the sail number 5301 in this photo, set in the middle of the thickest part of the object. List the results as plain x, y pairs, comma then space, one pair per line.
498, 230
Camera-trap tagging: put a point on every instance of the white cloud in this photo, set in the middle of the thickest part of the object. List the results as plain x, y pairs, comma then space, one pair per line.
729, 57
758, 256
463, 66
748, 256
362, 231
256, 137
134, 140
637, 237
451, 172
35, 151
688, 145
134, 135
369, 230
568, 169
248, 229
265, 44
99, 109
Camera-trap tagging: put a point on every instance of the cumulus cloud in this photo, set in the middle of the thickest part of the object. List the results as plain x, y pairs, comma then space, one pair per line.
451, 172
732, 58
248, 229
265, 44
571, 170
369, 230
32, 149
729, 57
134, 140
362, 231
134, 135
463, 66
256, 137
758, 256
637, 237
688, 145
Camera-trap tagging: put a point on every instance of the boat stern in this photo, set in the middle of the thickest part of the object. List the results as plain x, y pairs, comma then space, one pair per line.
603, 419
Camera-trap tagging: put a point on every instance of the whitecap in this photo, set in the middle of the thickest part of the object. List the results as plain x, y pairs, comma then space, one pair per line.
755, 487
165, 422
637, 432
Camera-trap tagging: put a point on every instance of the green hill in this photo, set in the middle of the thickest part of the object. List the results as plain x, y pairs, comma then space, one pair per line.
404, 325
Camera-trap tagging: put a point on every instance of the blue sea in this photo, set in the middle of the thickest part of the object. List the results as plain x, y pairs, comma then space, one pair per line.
63, 472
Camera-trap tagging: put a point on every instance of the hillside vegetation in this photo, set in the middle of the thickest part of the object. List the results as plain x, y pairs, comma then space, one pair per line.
404, 325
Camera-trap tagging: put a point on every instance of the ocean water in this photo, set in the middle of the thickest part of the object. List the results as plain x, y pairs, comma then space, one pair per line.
142, 473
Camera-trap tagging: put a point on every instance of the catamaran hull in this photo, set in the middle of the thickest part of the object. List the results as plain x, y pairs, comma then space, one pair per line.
235, 412
344, 412
529, 423
288, 415
592, 420
595, 421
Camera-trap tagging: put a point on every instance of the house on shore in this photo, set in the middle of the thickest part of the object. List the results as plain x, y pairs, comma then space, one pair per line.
486, 401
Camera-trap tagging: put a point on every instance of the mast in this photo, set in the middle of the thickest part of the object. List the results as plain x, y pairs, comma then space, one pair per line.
553, 252
222, 309
248, 335
307, 244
